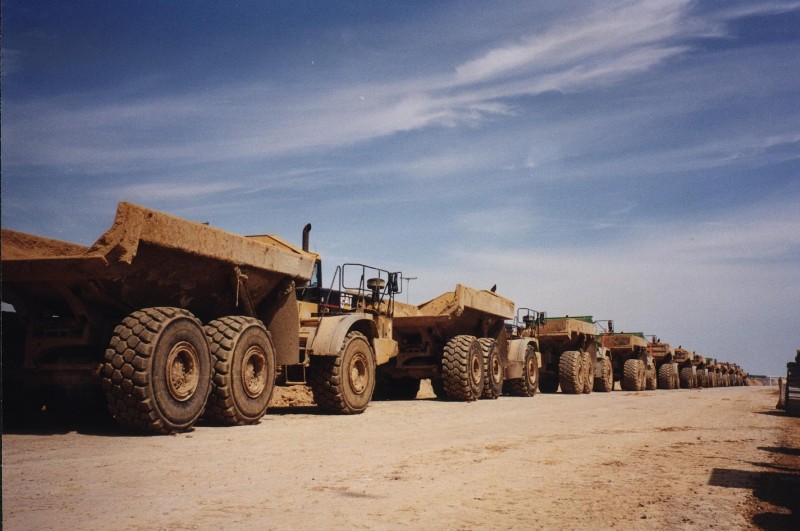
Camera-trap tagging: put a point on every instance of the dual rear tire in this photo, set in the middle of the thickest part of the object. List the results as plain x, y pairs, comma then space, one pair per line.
163, 370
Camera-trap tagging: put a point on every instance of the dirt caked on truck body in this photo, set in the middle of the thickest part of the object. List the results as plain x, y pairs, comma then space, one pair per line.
128, 314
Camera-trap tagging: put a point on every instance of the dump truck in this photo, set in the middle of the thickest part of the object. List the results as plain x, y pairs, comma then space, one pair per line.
700, 371
666, 368
571, 358
686, 368
174, 319
633, 366
457, 340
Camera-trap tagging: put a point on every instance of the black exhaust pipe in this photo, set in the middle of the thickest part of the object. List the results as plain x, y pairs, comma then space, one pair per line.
306, 230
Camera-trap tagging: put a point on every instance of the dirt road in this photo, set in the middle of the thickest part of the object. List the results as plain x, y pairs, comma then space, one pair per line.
710, 458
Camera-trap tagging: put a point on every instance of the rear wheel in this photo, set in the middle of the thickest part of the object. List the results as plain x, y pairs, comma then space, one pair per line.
571, 372
605, 383
244, 370
633, 375
157, 370
528, 385
492, 369
344, 383
687, 378
462, 368
665, 376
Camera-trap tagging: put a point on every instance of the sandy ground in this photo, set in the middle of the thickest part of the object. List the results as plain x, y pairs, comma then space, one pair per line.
690, 459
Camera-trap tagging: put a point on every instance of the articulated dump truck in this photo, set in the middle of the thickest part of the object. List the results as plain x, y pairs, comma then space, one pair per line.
666, 368
456, 340
174, 319
571, 357
633, 365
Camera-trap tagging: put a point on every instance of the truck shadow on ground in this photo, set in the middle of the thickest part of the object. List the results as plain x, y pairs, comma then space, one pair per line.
777, 490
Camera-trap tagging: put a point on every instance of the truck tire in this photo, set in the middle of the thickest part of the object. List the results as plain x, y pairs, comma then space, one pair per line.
665, 376
652, 379
243, 373
633, 378
571, 372
687, 378
588, 372
462, 368
492, 369
344, 383
605, 383
157, 370
528, 385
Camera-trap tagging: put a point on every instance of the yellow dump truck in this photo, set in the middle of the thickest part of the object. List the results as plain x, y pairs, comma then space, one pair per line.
632, 363
571, 358
174, 319
457, 340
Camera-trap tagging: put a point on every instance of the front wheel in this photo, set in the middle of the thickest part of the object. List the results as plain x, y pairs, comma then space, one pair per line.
344, 383
528, 385
652, 379
588, 372
605, 383
157, 370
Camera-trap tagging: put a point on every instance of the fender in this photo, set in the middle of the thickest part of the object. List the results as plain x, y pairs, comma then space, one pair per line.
330, 333
516, 356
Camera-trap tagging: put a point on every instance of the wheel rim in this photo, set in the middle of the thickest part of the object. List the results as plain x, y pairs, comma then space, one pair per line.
182, 371
254, 374
496, 370
359, 379
531, 369
476, 368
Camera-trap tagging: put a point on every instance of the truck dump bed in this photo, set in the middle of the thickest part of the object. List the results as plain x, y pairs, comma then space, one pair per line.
453, 312
148, 258
566, 327
623, 341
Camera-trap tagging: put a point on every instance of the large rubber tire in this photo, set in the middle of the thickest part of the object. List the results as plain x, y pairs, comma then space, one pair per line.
344, 383
462, 368
548, 384
605, 383
588, 372
157, 370
687, 378
652, 379
493, 370
665, 376
243, 377
633, 375
528, 385
571, 372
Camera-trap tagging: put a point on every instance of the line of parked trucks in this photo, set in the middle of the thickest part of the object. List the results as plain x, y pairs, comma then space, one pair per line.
176, 320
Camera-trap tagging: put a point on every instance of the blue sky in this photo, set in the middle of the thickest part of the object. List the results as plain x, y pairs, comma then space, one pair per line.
635, 160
